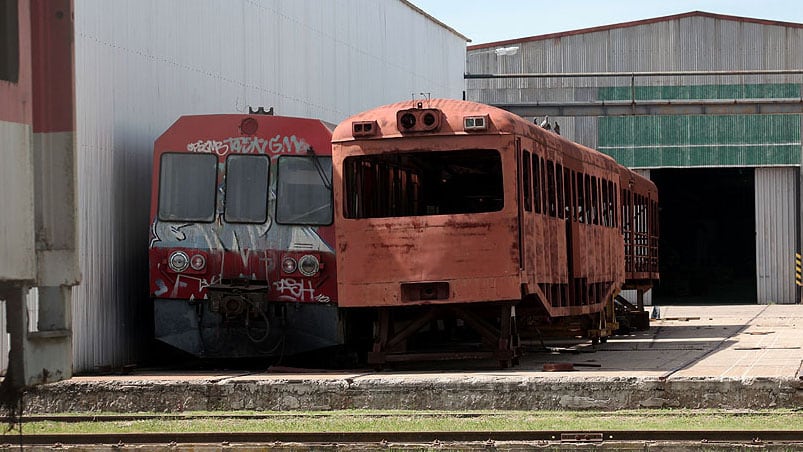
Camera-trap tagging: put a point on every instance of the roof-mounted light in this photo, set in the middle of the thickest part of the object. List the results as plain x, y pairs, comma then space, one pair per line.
364, 128
418, 120
476, 123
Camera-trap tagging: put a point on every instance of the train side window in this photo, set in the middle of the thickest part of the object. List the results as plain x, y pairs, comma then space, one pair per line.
612, 205
559, 173
537, 183
594, 200
606, 207
525, 164
187, 187
580, 205
573, 199
616, 204
423, 183
9, 41
606, 203
567, 194
550, 176
544, 197
304, 190
587, 199
246, 199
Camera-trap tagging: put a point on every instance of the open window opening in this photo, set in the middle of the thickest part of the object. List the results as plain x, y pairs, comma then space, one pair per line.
423, 183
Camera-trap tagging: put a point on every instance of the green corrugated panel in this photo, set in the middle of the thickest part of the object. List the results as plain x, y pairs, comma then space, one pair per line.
691, 156
766, 90
729, 140
681, 141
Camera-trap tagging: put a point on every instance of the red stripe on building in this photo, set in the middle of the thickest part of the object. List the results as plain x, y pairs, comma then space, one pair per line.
15, 97
52, 40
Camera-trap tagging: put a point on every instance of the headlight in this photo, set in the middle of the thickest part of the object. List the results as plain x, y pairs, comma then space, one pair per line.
288, 265
198, 262
308, 265
178, 261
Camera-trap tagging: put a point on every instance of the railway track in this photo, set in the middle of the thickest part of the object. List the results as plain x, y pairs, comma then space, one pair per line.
382, 438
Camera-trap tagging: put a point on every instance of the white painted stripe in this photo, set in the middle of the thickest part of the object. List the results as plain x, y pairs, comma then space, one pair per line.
17, 226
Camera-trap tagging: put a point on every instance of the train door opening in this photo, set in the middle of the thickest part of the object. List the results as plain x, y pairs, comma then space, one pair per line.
708, 235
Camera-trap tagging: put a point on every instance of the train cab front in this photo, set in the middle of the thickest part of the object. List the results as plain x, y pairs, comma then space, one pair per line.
425, 213
427, 230
242, 246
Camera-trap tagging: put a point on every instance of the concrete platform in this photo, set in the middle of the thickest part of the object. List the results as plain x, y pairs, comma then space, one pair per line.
719, 357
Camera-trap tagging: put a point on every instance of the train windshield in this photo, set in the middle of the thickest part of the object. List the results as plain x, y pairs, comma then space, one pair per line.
247, 188
423, 183
304, 190
187, 184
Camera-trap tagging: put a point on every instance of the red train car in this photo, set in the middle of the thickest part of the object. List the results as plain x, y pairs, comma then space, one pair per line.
242, 244
450, 209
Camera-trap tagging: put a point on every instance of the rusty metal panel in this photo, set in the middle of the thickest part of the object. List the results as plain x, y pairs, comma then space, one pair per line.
776, 214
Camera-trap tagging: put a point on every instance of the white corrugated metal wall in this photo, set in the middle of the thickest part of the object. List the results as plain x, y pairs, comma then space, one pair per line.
776, 217
140, 64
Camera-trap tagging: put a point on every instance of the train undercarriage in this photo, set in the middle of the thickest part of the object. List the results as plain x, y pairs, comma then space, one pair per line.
496, 332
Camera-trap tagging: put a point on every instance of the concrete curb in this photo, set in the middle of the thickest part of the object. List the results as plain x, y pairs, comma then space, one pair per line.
413, 392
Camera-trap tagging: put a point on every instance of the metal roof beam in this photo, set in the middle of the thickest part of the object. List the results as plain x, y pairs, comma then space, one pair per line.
658, 107
635, 74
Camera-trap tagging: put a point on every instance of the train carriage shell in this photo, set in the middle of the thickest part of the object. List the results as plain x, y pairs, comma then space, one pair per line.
640, 230
509, 253
379, 252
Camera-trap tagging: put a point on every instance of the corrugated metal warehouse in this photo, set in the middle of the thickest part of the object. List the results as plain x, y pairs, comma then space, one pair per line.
728, 175
140, 64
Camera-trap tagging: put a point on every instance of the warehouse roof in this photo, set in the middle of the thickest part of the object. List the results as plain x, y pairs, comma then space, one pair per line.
633, 24
433, 19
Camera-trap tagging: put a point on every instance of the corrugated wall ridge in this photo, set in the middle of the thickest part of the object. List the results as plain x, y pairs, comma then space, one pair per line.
776, 216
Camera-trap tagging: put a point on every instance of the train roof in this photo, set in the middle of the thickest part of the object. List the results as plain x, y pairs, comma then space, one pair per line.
246, 133
500, 122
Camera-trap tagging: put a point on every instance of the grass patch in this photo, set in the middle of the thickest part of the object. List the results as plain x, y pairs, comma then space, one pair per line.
374, 421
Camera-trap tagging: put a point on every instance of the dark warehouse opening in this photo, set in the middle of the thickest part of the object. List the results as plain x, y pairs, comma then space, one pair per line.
707, 246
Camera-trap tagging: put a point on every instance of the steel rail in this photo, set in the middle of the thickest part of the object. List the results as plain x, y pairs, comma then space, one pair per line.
71, 418
707, 436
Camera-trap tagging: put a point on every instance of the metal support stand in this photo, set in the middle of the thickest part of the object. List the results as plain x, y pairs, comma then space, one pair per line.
500, 342
45, 354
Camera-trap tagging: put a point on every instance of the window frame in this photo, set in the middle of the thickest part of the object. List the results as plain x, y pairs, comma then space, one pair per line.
527, 180
267, 188
364, 173
9, 41
312, 158
159, 199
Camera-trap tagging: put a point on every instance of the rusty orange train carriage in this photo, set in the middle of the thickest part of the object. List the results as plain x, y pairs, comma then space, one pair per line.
455, 209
